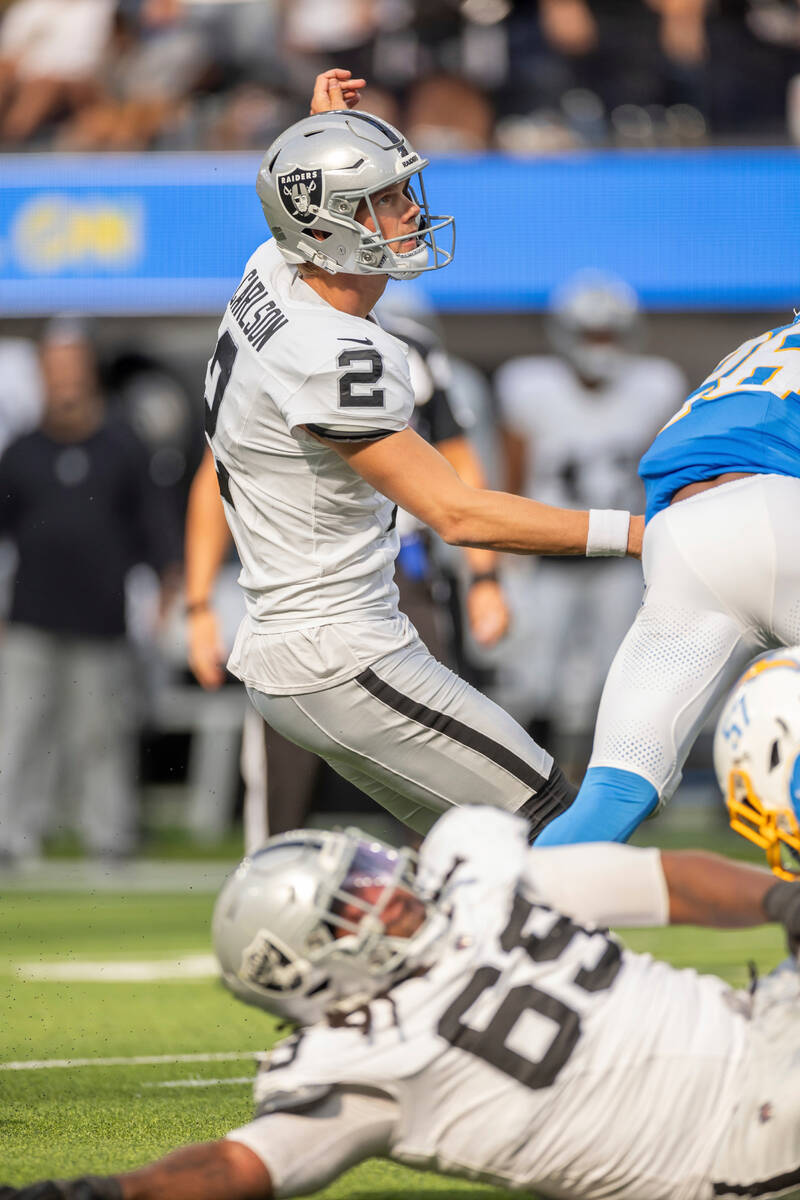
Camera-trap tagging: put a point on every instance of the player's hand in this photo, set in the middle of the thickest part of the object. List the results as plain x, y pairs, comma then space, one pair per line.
335, 89
635, 535
487, 612
205, 650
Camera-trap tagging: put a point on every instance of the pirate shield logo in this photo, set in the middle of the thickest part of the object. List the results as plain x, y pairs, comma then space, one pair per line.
301, 194
266, 963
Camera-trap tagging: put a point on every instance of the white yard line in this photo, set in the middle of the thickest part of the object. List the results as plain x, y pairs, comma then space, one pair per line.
198, 1083
189, 966
139, 1060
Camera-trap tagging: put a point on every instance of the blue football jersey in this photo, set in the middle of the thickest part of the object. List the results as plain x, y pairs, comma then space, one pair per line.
744, 417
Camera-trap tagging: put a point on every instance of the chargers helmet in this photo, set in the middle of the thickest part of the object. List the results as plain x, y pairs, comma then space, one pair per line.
757, 758
280, 935
594, 322
314, 176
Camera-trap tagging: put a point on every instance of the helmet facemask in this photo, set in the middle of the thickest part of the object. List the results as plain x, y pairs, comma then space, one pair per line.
297, 934
775, 831
379, 255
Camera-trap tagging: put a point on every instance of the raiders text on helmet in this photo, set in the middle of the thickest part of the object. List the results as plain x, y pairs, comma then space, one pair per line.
312, 180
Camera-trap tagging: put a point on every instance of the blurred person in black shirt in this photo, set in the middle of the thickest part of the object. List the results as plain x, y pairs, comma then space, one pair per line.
78, 505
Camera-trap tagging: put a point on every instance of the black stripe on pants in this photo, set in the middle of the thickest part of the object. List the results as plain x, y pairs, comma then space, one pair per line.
473, 739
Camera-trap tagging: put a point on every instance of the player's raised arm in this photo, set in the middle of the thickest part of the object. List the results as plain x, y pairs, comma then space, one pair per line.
335, 89
409, 471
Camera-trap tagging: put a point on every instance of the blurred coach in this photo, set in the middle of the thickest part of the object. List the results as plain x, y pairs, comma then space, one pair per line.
78, 505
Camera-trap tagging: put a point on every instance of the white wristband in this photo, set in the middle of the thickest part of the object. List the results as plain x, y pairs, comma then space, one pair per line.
608, 532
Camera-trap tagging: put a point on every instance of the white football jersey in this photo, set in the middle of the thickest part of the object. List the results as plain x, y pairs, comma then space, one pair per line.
536, 1051
316, 542
584, 443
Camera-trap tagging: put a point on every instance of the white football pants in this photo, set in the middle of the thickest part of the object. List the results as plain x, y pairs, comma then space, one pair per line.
722, 584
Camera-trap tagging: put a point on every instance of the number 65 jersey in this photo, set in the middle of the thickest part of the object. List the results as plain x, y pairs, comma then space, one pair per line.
316, 542
535, 1052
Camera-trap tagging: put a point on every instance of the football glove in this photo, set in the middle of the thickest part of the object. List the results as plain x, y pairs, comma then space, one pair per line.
88, 1187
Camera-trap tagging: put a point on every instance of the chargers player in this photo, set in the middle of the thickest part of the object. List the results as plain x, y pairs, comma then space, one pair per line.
721, 564
308, 402
477, 1019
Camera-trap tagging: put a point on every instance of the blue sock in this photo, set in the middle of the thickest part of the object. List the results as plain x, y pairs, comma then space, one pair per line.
608, 807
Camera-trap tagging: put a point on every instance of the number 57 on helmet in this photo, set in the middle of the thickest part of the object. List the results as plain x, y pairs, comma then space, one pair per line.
757, 758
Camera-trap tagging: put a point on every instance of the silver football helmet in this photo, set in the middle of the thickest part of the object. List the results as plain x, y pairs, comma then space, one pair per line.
757, 758
283, 930
594, 322
312, 180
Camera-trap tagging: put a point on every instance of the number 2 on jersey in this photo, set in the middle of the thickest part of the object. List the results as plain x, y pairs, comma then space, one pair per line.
367, 374
491, 1042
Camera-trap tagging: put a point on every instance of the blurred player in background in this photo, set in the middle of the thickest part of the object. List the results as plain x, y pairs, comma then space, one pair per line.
722, 577
308, 409
476, 1017
757, 758
574, 425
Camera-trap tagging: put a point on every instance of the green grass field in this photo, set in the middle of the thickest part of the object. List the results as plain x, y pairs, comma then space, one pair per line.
64, 1120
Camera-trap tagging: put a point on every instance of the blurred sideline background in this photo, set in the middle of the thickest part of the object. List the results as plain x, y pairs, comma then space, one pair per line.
638, 152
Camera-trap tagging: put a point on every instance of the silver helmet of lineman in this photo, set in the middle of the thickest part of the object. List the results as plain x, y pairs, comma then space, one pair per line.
281, 933
594, 322
313, 179
757, 758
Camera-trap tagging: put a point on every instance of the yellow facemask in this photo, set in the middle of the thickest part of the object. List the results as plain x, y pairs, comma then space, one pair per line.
775, 832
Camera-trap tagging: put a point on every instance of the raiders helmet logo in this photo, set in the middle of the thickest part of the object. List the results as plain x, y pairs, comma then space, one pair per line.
266, 964
301, 194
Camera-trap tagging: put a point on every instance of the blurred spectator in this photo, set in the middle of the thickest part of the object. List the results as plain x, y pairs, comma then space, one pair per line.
248, 117
754, 50
50, 54
629, 52
446, 114
527, 77
77, 503
574, 426
314, 30
160, 55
